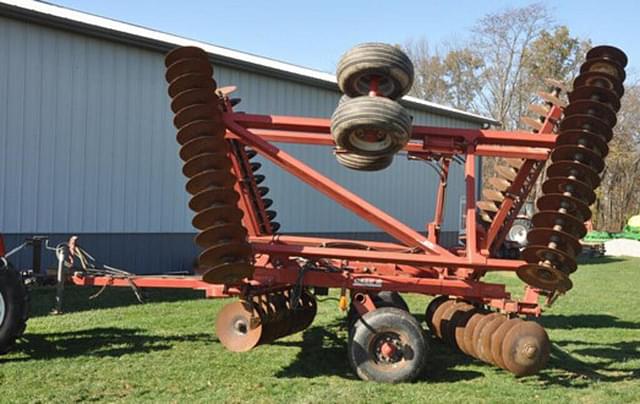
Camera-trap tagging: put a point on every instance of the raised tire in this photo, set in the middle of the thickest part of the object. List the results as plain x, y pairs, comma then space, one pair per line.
371, 126
364, 163
13, 308
363, 63
387, 345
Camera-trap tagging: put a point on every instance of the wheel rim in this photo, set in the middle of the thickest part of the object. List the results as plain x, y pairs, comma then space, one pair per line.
518, 234
2, 309
370, 140
388, 349
386, 85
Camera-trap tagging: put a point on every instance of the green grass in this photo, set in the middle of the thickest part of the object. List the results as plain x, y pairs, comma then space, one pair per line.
113, 349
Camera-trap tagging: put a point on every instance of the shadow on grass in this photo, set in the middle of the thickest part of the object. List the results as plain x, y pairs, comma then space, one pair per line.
324, 352
593, 321
582, 260
96, 342
567, 370
77, 299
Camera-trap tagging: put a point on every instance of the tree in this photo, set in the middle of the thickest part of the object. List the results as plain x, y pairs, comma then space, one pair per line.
452, 79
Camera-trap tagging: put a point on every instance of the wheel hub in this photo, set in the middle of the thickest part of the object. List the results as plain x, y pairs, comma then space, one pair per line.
388, 349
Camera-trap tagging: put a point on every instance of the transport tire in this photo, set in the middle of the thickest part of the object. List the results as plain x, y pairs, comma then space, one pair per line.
366, 61
382, 299
371, 126
364, 163
387, 345
14, 308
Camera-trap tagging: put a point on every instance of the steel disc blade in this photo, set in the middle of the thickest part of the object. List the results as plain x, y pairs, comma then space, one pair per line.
462, 321
599, 79
250, 153
206, 161
574, 169
194, 113
226, 90
574, 207
557, 84
476, 341
604, 65
208, 179
238, 327
493, 195
225, 252
487, 206
262, 191
184, 52
584, 138
217, 214
580, 154
204, 144
500, 184
437, 317
267, 203
593, 108
609, 52
431, 308
535, 124
543, 277
275, 226
498, 338
514, 162
447, 327
213, 196
595, 93
229, 273
259, 179
525, 349
577, 189
190, 81
552, 99
485, 216
191, 97
483, 348
565, 242
221, 232
469, 330
586, 122
188, 65
539, 109
255, 166
568, 223
560, 259
506, 172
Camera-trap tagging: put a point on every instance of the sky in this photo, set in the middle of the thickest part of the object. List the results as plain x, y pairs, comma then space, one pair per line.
315, 34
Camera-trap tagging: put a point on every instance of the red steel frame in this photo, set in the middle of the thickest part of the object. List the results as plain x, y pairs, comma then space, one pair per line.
415, 264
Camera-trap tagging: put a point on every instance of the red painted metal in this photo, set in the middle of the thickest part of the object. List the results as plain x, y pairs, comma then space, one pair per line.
416, 263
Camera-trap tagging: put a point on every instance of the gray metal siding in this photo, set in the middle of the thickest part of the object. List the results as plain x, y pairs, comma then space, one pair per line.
87, 144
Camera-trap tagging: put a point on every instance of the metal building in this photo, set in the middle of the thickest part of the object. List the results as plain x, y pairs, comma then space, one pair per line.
87, 146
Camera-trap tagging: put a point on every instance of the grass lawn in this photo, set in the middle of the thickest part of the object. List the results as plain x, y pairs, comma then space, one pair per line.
113, 349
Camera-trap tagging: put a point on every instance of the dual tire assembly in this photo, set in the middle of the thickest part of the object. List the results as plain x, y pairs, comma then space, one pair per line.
369, 126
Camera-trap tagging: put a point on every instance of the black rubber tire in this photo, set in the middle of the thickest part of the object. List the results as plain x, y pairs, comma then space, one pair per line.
389, 119
380, 300
387, 321
364, 163
16, 308
389, 63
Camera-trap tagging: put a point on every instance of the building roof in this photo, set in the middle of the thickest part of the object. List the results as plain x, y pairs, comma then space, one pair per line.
72, 20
